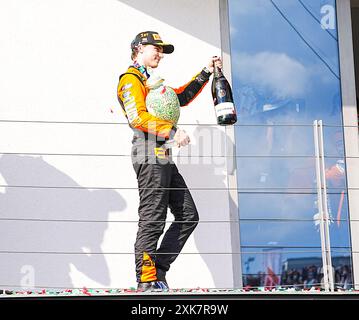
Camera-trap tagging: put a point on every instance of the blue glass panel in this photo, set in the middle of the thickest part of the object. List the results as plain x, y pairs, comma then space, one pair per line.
285, 65
291, 206
285, 75
333, 137
273, 173
290, 233
271, 139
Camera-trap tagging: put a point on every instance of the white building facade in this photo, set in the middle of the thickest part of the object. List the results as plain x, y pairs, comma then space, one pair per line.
69, 197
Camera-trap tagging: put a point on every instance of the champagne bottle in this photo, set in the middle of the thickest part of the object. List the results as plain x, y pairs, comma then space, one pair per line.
223, 99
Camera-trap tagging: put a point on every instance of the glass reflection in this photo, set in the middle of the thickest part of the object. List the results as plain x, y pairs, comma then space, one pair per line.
285, 74
284, 62
291, 233
277, 173
266, 268
275, 140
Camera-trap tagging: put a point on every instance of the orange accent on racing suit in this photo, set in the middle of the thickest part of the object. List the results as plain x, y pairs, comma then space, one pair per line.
160, 184
132, 98
148, 269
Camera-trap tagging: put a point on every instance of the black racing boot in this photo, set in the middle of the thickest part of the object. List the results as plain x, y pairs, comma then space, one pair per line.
152, 286
161, 275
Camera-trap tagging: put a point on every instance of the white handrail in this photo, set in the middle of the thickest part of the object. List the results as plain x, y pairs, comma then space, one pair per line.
325, 206
320, 204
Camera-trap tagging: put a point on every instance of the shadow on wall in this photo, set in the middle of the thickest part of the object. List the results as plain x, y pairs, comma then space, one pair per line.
209, 172
177, 16
68, 245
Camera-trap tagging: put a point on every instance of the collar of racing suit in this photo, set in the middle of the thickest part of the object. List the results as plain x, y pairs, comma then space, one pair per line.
142, 69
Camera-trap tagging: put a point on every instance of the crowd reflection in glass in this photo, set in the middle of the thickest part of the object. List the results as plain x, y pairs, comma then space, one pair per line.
305, 278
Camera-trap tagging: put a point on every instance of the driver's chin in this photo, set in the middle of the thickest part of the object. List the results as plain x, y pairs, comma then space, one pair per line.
155, 64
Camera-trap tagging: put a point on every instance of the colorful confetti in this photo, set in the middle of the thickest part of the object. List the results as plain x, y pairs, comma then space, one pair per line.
133, 291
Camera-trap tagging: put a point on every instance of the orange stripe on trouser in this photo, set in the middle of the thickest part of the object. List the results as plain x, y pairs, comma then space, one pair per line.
148, 272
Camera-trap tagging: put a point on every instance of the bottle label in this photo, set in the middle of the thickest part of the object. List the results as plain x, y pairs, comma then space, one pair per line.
224, 108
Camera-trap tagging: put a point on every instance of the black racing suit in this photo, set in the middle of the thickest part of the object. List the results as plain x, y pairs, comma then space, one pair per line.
159, 182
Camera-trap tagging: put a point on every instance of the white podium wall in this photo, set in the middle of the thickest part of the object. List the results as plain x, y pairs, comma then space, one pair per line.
68, 193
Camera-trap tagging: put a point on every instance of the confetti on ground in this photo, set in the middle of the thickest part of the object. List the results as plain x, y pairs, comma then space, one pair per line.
132, 291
